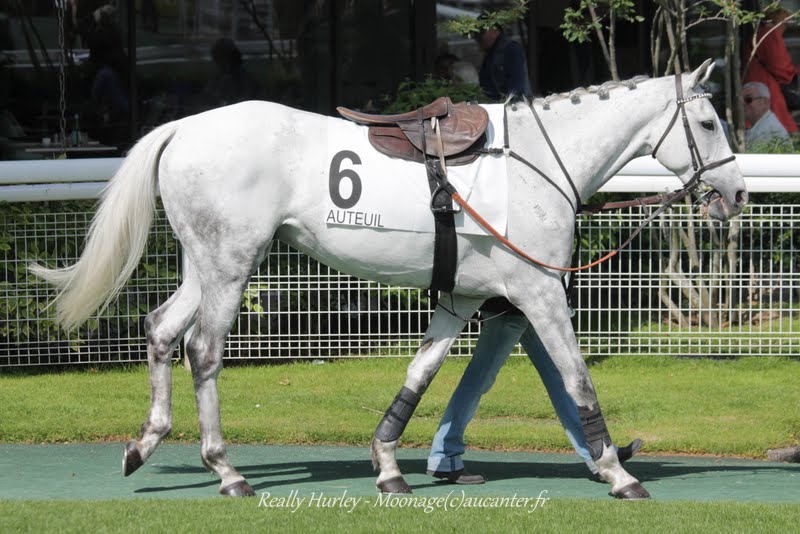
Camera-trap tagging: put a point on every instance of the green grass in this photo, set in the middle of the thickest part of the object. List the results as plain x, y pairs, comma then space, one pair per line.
779, 335
738, 407
225, 515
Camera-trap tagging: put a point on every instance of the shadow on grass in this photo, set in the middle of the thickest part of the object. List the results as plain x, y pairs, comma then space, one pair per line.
290, 473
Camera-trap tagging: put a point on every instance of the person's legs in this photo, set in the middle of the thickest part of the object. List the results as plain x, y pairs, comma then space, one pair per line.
497, 340
565, 407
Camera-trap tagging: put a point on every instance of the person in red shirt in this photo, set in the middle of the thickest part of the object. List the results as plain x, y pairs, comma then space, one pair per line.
772, 65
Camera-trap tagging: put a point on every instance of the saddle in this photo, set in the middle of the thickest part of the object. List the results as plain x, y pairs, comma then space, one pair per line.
411, 136
438, 134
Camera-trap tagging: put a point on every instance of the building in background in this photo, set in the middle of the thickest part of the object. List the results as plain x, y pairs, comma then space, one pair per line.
130, 65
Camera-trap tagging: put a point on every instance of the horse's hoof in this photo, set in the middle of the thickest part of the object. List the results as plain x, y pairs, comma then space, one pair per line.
238, 489
131, 458
394, 485
632, 492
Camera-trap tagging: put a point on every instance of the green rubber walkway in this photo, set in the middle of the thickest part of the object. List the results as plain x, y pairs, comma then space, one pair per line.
93, 471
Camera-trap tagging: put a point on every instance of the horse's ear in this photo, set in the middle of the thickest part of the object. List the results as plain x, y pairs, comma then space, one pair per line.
702, 73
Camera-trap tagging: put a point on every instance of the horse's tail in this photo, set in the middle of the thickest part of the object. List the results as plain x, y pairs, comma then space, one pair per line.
116, 238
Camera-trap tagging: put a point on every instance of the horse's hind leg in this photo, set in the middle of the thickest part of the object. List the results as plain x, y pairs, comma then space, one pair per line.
219, 306
164, 328
442, 332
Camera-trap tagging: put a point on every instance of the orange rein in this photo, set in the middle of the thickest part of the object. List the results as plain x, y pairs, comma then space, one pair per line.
489, 228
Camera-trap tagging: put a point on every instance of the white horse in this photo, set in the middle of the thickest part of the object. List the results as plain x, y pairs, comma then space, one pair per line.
234, 179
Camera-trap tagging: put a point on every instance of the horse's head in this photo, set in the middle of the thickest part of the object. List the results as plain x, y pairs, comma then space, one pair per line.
692, 144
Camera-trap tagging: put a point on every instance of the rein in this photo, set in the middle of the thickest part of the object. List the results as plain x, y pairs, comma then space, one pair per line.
666, 200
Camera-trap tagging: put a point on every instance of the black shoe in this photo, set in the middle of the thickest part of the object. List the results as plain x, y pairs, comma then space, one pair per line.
458, 477
626, 453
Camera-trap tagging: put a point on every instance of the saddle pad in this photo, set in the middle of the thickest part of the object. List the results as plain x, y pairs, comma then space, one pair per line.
369, 189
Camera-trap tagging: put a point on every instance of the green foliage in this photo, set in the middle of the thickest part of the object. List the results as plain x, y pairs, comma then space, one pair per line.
776, 145
251, 298
579, 25
19, 309
412, 95
470, 26
52, 234
730, 9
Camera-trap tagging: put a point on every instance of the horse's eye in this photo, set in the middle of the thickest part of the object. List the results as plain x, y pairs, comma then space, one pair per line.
708, 125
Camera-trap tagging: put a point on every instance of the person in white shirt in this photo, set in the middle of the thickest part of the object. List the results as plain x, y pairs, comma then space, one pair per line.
764, 124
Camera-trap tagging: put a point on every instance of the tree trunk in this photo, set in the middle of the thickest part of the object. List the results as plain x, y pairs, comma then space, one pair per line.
684, 41
612, 43
655, 39
601, 39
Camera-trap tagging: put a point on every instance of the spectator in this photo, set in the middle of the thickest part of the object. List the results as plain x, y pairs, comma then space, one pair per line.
465, 72
443, 67
233, 83
107, 117
449, 67
150, 15
764, 125
504, 69
772, 65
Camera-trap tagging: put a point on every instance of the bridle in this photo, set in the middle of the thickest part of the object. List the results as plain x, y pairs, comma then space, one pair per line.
666, 200
697, 160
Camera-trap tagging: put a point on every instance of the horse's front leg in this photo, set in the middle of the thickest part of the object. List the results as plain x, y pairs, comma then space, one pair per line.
443, 330
547, 312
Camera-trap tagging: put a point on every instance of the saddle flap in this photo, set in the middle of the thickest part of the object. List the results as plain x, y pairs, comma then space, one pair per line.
459, 129
391, 140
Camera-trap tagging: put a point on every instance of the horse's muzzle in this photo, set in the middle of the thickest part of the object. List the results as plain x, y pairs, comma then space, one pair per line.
722, 207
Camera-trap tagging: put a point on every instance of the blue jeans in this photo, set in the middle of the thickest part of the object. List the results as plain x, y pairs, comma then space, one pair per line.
497, 340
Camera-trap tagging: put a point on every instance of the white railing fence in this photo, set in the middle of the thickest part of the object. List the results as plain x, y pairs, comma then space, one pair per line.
686, 287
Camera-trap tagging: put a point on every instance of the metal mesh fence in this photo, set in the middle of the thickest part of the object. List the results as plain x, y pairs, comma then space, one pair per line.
298, 308
685, 287
28, 335
690, 286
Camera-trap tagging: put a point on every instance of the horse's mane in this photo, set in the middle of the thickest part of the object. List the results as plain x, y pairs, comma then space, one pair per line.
602, 91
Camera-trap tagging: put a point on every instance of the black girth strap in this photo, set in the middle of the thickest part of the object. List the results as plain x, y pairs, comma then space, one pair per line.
397, 416
595, 429
445, 245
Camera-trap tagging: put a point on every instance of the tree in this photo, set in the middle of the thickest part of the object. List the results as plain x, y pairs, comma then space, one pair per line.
699, 255
602, 21
670, 21
466, 25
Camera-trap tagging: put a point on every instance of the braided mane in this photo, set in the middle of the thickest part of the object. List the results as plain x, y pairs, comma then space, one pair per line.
602, 91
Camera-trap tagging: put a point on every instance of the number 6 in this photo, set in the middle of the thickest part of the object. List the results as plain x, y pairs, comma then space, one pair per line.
336, 175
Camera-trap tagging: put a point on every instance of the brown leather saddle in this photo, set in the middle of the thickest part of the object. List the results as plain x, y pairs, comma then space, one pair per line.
411, 135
